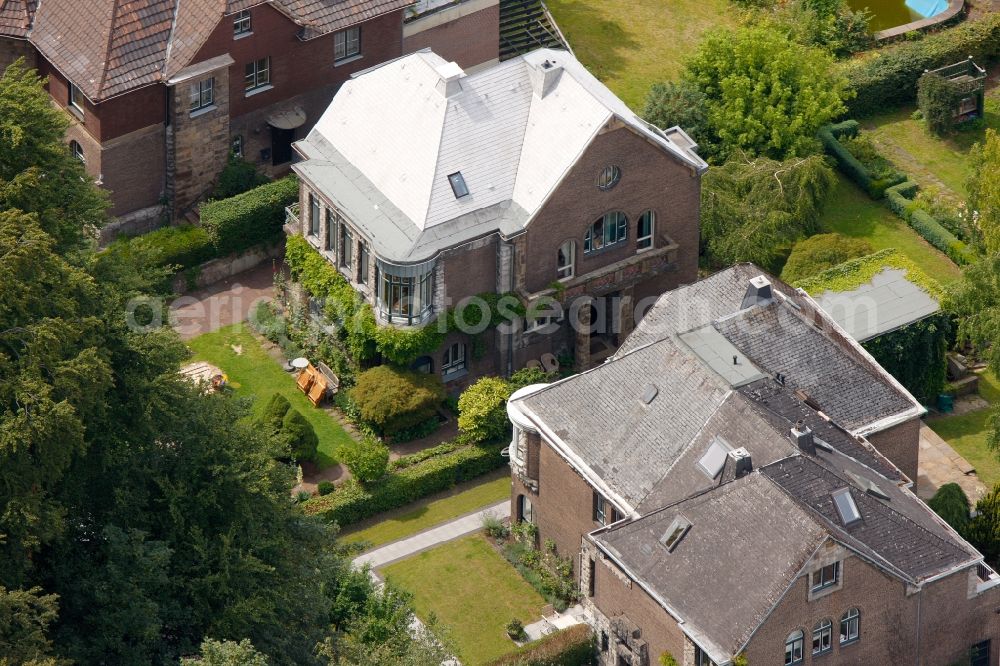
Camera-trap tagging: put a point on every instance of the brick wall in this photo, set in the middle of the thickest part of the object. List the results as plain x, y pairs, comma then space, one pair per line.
457, 34
200, 140
901, 445
133, 169
12, 49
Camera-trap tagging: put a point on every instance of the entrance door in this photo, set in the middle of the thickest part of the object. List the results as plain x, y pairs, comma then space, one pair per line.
281, 145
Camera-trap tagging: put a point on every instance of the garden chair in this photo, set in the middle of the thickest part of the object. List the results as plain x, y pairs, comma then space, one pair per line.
306, 379
550, 363
318, 390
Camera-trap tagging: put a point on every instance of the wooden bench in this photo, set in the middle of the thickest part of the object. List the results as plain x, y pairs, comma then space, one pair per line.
317, 384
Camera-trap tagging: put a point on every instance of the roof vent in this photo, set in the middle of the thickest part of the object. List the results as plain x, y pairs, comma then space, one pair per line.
714, 459
544, 76
675, 533
803, 438
742, 463
450, 82
649, 394
758, 293
846, 508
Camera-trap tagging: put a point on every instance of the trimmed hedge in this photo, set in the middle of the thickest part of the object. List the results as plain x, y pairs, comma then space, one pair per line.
251, 218
574, 646
183, 245
353, 502
830, 136
898, 198
889, 78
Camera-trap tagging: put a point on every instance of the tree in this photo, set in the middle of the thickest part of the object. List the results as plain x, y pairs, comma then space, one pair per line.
952, 505
765, 94
753, 210
25, 616
393, 400
984, 189
368, 460
227, 653
818, 253
678, 103
300, 436
983, 530
482, 409
274, 411
975, 303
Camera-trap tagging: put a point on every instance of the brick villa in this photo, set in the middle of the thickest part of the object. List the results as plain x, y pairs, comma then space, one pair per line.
737, 480
159, 91
426, 184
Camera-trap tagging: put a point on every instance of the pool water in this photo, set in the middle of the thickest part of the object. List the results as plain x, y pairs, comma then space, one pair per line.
890, 13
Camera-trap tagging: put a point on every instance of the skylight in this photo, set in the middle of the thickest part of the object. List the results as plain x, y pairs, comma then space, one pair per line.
678, 528
649, 393
714, 459
458, 185
846, 508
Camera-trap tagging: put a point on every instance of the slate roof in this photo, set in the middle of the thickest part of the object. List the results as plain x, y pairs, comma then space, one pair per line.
394, 134
108, 47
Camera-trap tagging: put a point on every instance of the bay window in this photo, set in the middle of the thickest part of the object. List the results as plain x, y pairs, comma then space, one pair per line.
404, 292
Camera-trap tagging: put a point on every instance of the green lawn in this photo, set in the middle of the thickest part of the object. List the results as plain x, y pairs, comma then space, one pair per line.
425, 514
967, 433
472, 591
631, 44
851, 212
253, 373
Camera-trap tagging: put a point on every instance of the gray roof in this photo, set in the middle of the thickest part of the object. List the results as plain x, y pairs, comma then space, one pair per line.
887, 302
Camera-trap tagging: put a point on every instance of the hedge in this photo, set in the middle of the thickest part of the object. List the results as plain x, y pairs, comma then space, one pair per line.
251, 218
183, 246
889, 78
353, 502
829, 136
898, 198
574, 646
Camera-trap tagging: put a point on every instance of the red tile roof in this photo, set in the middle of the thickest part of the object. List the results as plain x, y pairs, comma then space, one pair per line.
15, 17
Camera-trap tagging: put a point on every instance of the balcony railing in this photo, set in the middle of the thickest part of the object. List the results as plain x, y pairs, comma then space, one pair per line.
292, 214
987, 578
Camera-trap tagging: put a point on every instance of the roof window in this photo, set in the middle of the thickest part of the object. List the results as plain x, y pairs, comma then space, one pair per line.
458, 185
649, 393
714, 459
678, 528
846, 508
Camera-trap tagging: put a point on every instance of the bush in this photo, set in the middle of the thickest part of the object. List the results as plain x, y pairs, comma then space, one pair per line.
820, 252
527, 377
482, 409
889, 78
251, 218
368, 460
951, 503
874, 184
325, 488
677, 104
392, 400
237, 177
515, 629
899, 200
299, 434
574, 646
495, 527
274, 412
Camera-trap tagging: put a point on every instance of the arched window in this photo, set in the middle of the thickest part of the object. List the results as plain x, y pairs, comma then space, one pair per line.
822, 636
453, 360
850, 626
644, 230
77, 151
793, 647
609, 177
525, 511
606, 232
566, 260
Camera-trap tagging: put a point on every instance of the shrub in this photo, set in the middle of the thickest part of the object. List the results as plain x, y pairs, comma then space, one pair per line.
251, 218
482, 409
515, 629
951, 503
667, 659
574, 646
837, 138
527, 377
494, 527
299, 434
680, 104
237, 177
392, 400
820, 252
938, 98
367, 459
325, 488
274, 412
184, 246
889, 78
418, 431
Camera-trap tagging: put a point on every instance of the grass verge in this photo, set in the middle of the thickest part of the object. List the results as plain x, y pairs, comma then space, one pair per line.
254, 374
472, 592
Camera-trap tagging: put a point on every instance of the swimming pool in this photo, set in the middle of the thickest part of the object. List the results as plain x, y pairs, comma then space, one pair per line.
890, 13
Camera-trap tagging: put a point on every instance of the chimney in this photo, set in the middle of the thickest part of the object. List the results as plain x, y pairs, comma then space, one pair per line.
450, 82
742, 463
544, 76
758, 293
803, 437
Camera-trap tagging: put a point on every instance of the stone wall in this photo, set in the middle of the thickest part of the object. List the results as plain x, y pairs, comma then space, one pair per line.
200, 141
901, 445
225, 267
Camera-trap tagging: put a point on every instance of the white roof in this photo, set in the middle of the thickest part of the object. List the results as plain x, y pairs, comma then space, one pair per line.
512, 130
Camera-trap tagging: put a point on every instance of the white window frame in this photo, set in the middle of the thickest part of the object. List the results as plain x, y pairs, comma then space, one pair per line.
568, 269
645, 241
202, 94
76, 150
237, 145
850, 626
315, 212
346, 244
241, 24
614, 232
257, 74
822, 637
795, 641
818, 580
453, 360
75, 97
347, 43
364, 258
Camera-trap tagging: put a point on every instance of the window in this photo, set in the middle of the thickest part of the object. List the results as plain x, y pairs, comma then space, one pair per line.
75, 97
331, 232
846, 507
241, 23
702, 659
607, 231
793, 647
237, 145
405, 297
979, 654
202, 94
608, 178
823, 637
346, 245
458, 185
454, 359
602, 509
825, 577
849, 626
604, 641
565, 260
525, 512
76, 150
313, 216
346, 43
644, 231
424, 365
363, 264
258, 74
678, 528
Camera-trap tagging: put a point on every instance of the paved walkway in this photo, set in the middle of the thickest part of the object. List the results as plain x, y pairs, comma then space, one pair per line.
223, 303
939, 464
450, 531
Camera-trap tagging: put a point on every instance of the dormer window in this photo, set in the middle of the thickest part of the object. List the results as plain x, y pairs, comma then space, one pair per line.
825, 578
241, 23
458, 185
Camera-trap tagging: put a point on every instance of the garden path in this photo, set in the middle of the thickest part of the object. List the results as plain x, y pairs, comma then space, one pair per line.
223, 303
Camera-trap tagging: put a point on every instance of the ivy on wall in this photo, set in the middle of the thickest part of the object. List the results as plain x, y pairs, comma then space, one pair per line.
915, 355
